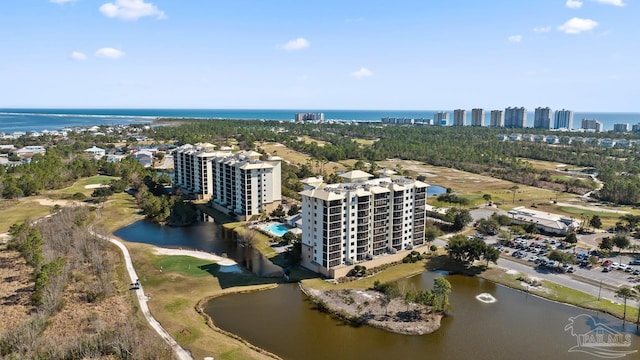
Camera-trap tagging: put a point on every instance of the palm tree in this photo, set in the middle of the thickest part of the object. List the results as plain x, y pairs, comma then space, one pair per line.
637, 288
625, 293
514, 188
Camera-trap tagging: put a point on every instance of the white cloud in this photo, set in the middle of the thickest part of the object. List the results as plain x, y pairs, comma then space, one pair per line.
515, 38
574, 4
61, 1
577, 25
131, 10
108, 53
543, 29
363, 72
78, 56
619, 3
296, 44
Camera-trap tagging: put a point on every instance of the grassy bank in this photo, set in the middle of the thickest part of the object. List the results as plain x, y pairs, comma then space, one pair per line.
176, 291
555, 292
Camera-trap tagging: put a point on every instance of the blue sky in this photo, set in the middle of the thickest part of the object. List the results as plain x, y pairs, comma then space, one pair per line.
348, 54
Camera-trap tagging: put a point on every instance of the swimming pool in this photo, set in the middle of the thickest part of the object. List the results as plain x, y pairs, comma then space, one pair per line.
276, 229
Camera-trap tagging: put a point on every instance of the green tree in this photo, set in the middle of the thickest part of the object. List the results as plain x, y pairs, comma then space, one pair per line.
621, 241
487, 198
442, 289
571, 238
595, 222
606, 244
625, 293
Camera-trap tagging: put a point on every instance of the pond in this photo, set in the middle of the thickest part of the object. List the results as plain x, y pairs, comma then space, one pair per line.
433, 190
205, 236
516, 326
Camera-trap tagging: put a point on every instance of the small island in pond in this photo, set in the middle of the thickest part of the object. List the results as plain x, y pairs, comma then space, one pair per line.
410, 312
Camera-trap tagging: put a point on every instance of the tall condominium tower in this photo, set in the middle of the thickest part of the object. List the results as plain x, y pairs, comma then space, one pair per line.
477, 117
563, 119
542, 118
594, 125
515, 117
497, 118
237, 182
359, 220
441, 118
459, 117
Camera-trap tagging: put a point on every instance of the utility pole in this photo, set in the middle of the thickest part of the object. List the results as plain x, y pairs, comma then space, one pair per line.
600, 290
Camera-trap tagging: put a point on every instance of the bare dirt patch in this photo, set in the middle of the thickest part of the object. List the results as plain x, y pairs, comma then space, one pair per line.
15, 290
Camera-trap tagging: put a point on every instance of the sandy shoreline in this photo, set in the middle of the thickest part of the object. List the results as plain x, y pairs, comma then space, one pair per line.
222, 261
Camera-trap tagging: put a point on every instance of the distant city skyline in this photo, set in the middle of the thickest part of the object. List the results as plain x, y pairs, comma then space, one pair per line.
251, 54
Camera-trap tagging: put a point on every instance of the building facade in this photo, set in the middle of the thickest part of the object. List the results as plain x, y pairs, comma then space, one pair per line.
459, 117
441, 118
621, 127
515, 117
497, 118
360, 220
542, 118
477, 117
592, 125
240, 182
563, 119
302, 117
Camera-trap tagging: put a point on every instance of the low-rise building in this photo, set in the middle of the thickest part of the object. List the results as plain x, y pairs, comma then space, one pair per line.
544, 221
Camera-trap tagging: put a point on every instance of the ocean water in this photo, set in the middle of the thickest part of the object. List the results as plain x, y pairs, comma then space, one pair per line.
23, 120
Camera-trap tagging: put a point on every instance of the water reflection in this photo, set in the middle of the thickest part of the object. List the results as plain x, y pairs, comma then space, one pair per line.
519, 326
206, 236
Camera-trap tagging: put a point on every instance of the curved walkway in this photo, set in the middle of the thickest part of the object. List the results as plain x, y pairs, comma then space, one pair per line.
180, 352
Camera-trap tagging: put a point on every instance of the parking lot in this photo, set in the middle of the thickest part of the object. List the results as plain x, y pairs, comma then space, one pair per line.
613, 271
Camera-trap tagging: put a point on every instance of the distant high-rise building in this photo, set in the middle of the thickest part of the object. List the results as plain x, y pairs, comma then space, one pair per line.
497, 118
477, 117
459, 117
441, 118
542, 118
621, 127
635, 128
563, 119
302, 117
515, 117
592, 124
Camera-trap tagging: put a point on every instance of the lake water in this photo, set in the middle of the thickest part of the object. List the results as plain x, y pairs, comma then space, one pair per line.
433, 190
205, 236
517, 326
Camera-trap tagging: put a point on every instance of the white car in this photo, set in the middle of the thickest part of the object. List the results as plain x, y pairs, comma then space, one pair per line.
533, 258
614, 266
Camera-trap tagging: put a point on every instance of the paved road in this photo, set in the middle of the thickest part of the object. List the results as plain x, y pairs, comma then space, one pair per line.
180, 352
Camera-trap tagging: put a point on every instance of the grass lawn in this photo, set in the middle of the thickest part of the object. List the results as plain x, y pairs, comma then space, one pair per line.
12, 212
544, 165
365, 142
119, 211
556, 292
79, 186
176, 291
297, 157
308, 140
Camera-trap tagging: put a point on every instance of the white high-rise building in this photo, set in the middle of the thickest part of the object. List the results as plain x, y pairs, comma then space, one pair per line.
563, 119
542, 118
362, 219
459, 117
237, 182
441, 118
591, 125
497, 118
515, 117
477, 117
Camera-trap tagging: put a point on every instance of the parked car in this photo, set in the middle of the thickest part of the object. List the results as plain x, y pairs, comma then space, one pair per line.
634, 262
606, 269
636, 272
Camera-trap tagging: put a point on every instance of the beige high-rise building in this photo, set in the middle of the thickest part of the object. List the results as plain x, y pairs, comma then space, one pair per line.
477, 117
359, 220
497, 118
459, 117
